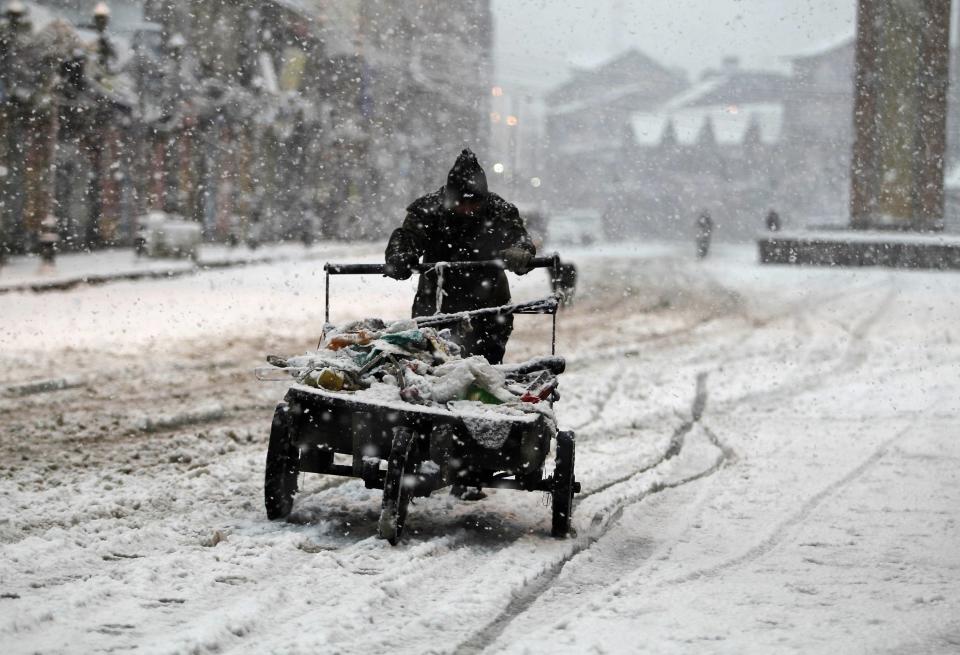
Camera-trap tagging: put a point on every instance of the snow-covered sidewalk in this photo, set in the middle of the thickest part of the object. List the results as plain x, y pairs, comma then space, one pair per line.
28, 273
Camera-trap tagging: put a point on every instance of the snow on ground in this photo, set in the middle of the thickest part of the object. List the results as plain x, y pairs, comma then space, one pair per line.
23, 270
213, 305
768, 458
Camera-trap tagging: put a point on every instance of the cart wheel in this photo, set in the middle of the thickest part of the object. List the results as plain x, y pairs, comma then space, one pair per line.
403, 461
563, 484
283, 466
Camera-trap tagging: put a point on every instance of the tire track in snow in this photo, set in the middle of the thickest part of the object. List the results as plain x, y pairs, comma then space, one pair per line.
534, 589
687, 332
34, 387
604, 521
639, 345
676, 441
855, 355
852, 358
793, 311
96, 423
601, 399
780, 532
622, 552
601, 523
800, 307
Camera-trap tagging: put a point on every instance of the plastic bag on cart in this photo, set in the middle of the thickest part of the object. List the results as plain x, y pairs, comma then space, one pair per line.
456, 379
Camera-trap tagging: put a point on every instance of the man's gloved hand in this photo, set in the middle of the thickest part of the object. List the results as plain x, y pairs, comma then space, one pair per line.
517, 260
399, 268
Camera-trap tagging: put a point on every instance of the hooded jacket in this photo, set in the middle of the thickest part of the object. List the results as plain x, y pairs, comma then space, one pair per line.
431, 232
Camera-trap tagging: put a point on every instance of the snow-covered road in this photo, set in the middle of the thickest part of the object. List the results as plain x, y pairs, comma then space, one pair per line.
769, 460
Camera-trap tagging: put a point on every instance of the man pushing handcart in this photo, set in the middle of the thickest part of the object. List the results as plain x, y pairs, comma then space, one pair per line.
426, 403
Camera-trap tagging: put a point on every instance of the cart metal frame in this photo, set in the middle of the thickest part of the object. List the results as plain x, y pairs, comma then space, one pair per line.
389, 442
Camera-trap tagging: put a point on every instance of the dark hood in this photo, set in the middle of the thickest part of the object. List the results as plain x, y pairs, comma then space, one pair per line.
466, 179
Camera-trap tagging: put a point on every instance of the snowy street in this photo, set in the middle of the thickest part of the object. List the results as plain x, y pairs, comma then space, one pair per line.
769, 459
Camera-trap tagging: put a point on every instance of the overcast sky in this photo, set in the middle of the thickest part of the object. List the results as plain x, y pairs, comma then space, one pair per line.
538, 40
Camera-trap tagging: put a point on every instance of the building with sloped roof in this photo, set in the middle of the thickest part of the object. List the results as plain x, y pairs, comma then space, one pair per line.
587, 125
717, 145
712, 125
725, 109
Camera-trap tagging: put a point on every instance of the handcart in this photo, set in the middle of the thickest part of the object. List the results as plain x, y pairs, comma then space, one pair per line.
412, 450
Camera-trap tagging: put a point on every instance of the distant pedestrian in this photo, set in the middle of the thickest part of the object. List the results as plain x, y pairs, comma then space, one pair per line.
47, 242
308, 223
704, 232
255, 228
773, 221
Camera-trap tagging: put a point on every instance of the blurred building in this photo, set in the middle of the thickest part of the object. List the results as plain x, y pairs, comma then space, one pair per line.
717, 146
588, 120
64, 124
819, 123
257, 119
739, 142
408, 87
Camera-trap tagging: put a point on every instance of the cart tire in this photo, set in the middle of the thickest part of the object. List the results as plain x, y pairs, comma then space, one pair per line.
396, 493
283, 467
563, 484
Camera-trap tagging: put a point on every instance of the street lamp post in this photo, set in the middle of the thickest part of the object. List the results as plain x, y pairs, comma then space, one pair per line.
173, 97
15, 12
101, 19
48, 240
11, 184
94, 236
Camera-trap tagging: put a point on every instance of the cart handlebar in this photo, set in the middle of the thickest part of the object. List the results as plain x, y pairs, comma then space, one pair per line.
550, 261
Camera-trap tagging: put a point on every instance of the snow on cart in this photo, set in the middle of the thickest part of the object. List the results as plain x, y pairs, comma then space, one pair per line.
416, 417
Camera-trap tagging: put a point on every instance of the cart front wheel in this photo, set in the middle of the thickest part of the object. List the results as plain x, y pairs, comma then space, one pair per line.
283, 467
563, 484
403, 463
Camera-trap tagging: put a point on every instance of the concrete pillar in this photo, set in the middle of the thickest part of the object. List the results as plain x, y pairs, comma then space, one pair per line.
900, 109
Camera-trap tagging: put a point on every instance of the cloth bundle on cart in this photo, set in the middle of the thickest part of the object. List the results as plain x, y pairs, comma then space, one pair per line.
420, 365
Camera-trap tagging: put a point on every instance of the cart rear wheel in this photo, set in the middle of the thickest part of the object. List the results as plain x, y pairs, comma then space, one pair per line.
283, 467
563, 484
404, 462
